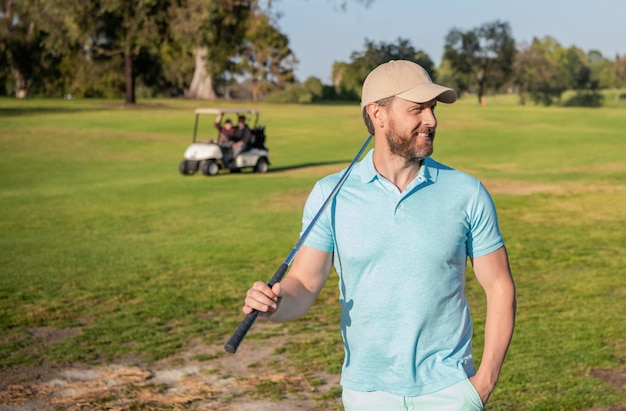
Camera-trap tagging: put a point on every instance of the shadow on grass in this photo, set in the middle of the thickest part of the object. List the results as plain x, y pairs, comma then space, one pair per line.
29, 111
277, 170
305, 165
63, 107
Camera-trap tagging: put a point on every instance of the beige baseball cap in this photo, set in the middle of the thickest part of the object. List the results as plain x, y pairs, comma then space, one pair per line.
404, 79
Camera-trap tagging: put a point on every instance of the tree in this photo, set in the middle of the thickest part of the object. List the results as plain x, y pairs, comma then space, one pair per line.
539, 71
536, 74
620, 71
485, 53
232, 40
107, 29
312, 90
583, 80
219, 34
130, 28
601, 69
545, 69
213, 31
449, 77
577, 69
348, 77
265, 57
20, 44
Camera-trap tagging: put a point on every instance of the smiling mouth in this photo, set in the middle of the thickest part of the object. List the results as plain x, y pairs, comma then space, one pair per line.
425, 135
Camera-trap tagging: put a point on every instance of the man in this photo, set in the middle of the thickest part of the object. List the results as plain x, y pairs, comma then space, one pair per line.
226, 131
399, 233
227, 139
242, 136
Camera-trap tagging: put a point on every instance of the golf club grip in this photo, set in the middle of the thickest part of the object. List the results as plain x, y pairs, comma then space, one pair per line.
241, 331
279, 274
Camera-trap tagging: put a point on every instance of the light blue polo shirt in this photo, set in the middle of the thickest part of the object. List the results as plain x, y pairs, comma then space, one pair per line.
401, 260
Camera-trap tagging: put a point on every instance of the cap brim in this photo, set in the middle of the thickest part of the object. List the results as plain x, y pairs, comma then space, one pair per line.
427, 92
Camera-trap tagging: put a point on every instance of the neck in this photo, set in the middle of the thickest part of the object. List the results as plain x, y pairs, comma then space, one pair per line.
397, 170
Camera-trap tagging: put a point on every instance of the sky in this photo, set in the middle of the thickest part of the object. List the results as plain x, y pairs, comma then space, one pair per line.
321, 33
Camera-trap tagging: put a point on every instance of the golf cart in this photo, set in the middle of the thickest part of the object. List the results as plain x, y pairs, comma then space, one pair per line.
209, 157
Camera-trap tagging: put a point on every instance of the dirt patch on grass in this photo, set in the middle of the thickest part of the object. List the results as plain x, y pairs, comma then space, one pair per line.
201, 378
516, 187
616, 378
521, 188
48, 335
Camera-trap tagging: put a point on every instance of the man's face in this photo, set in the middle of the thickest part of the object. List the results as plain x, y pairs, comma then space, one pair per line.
228, 126
411, 129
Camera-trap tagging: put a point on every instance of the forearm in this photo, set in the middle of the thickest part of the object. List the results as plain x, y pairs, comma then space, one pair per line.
290, 298
499, 325
295, 301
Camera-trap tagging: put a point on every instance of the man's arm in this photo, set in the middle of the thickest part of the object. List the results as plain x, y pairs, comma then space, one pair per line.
295, 294
247, 135
494, 275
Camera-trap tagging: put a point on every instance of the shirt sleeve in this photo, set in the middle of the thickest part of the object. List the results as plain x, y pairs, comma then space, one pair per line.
320, 236
484, 235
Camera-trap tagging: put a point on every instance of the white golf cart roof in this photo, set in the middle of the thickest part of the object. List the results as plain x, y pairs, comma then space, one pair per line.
226, 111
220, 111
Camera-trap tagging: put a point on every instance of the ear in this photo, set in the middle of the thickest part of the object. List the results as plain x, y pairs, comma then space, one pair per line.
377, 114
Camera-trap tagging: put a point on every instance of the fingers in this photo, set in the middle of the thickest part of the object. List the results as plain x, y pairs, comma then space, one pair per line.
277, 290
262, 298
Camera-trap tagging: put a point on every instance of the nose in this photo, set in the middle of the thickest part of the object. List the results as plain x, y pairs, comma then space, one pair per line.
428, 118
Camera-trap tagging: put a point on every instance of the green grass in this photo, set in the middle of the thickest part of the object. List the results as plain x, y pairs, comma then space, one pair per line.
99, 232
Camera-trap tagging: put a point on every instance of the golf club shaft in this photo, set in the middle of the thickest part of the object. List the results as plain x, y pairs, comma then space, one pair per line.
241, 331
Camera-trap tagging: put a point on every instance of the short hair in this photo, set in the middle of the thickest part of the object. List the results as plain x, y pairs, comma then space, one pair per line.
366, 117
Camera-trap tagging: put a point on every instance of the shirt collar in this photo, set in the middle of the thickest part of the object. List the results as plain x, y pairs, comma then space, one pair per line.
428, 171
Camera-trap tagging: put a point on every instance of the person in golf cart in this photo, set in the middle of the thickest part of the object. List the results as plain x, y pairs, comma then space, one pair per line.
226, 131
243, 132
232, 140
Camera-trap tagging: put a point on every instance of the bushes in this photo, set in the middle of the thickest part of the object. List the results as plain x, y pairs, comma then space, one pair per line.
587, 98
311, 91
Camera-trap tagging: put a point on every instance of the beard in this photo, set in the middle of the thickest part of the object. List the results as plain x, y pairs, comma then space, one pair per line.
410, 146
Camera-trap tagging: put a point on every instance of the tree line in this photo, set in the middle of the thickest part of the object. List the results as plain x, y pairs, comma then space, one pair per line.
209, 49
101, 48
487, 59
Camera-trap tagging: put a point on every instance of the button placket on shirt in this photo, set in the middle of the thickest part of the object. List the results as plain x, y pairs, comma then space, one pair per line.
399, 210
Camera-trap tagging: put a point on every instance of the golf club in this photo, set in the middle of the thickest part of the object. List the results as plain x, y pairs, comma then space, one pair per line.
241, 331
